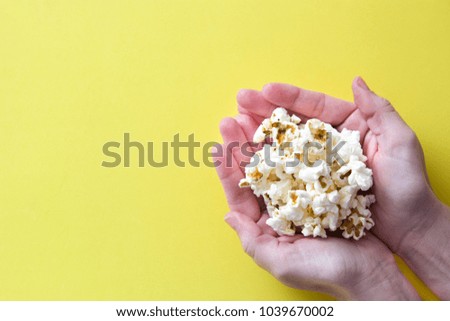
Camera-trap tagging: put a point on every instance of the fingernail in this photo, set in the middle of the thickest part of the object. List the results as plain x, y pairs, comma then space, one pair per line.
362, 84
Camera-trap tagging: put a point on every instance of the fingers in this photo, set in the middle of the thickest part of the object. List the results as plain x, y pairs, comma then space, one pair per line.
355, 121
252, 101
382, 119
248, 125
266, 229
230, 173
308, 103
233, 138
370, 147
246, 229
260, 246
367, 101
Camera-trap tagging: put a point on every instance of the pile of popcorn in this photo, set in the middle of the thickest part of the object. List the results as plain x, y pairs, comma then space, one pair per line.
310, 195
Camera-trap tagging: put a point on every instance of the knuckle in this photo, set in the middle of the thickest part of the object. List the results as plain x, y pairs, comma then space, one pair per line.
410, 137
318, 107
384, 103
247, 247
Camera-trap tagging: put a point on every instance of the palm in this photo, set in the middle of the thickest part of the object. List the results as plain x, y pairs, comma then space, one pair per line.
294, 260
306, 263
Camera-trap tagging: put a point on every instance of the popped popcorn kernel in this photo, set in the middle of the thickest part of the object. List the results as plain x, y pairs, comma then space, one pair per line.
302, 192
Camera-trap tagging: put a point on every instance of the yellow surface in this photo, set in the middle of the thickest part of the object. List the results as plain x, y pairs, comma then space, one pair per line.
76, 74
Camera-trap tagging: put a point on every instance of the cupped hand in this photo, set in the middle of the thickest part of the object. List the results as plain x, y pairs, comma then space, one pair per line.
406, 206
347, 269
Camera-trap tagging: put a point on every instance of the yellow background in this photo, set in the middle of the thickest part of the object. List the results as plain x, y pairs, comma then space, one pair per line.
76, 74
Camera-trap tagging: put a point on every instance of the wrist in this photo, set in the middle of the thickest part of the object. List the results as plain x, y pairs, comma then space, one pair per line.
383, 281
426, 251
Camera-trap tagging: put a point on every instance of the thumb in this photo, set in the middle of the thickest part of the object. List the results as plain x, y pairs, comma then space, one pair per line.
246, 229
380, 115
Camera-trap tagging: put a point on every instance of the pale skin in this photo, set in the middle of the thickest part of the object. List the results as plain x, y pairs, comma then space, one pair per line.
410, 220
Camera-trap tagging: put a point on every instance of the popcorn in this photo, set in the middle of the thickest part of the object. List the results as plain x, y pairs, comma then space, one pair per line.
302, 192
359, 175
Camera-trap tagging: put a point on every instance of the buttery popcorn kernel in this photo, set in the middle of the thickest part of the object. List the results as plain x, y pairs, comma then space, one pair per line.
302, 192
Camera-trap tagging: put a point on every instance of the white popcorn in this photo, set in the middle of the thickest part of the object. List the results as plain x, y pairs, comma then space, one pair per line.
352, 146
360, 175
301, 190
334, 197
347, 195
312, 174
280, 225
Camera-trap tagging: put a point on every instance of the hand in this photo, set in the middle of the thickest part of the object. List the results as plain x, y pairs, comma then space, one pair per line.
406, 209
347, 269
